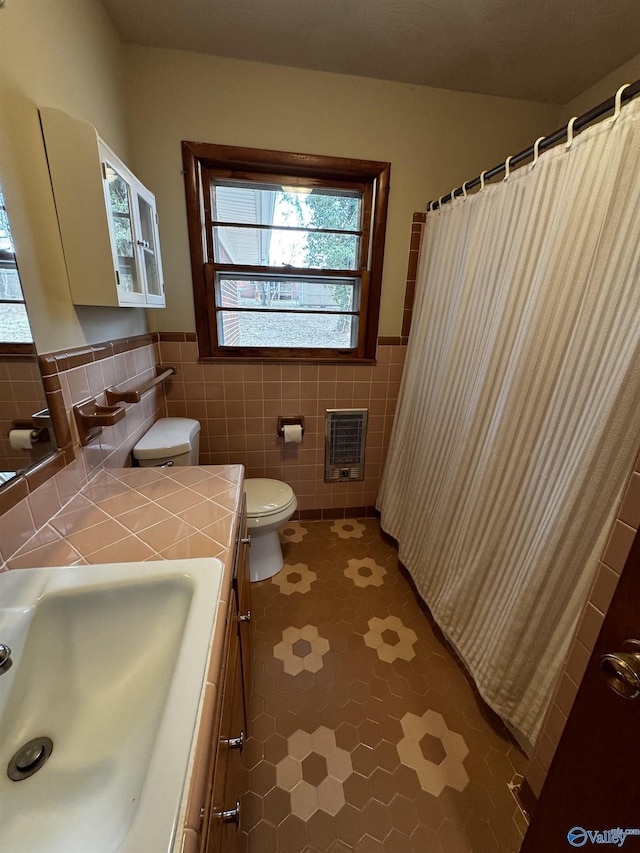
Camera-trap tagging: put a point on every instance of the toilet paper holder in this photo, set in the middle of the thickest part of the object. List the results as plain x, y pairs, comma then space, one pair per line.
39, 433
289, 421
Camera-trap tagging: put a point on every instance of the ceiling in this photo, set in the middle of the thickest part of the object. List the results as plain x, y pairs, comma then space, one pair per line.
549, 50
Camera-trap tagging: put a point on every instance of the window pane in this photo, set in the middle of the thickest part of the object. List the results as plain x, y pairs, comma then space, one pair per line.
294, 294
10, 287
275, 247
147, 230
128, 274
255, 329
120, 204
271, 204
14, 324
339, 210
6, 243
148, 250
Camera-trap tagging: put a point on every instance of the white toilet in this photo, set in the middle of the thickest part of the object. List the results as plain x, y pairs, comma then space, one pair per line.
170, 441
270, 503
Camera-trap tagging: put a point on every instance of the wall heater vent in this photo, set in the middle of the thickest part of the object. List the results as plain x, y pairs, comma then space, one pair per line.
345, 434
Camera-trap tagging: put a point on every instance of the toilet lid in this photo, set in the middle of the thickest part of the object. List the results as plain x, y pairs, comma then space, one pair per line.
266, 497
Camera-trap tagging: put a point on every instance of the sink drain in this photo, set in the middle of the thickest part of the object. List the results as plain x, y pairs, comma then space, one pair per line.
29, 758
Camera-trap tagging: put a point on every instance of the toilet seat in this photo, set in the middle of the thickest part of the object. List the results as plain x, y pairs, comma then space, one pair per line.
270, 503
267, 497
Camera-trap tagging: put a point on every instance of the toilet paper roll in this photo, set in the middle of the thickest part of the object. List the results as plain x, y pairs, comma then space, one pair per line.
293, 433
21, 439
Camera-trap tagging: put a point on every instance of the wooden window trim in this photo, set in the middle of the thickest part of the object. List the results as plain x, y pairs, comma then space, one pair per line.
17, 350
200, 158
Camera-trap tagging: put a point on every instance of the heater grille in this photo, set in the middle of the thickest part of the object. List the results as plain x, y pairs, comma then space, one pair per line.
345, 432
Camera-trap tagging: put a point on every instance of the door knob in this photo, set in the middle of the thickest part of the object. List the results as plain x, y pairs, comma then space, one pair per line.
230, 815
621, 670
234, 742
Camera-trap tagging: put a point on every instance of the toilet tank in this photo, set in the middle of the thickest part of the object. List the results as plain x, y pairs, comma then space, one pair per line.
169, 439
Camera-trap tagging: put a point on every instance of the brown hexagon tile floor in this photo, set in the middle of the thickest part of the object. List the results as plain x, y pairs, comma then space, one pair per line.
366, 734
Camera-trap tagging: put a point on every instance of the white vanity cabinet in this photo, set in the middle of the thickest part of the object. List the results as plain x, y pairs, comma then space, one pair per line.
107, 218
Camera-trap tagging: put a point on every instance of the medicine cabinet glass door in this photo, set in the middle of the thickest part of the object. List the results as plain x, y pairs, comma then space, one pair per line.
118, 193
148, 245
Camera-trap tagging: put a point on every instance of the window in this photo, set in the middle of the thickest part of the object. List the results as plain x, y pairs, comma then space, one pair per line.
14, 323
286, 252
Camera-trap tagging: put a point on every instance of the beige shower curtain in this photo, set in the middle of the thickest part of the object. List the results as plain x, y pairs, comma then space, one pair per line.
519, 412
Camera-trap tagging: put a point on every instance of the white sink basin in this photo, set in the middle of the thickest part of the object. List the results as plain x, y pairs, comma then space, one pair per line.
109, 662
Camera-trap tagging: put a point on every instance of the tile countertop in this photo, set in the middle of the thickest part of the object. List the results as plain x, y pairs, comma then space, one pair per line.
139, 514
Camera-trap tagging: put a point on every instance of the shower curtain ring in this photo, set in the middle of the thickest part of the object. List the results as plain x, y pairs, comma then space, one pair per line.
569, 141
440, 202
464, 191
618, 101
536, 149
507, 170
482, 174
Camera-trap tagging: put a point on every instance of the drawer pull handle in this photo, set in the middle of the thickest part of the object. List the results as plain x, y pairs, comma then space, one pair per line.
245, 617
230, 815
235, 742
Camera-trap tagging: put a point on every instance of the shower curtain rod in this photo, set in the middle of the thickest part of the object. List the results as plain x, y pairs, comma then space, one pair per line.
548, 142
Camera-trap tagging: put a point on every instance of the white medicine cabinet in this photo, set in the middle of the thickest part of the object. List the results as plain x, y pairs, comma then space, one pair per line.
107, 218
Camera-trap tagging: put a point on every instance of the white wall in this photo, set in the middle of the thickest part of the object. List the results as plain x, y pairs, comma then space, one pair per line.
65, 54
434, 139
